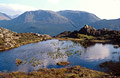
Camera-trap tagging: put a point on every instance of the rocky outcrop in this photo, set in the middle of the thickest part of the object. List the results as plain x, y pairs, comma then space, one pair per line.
88, 30
7, 38
100, 34
10, 39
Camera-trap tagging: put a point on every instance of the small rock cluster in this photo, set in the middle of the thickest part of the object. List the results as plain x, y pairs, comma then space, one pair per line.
45, 36
88, 30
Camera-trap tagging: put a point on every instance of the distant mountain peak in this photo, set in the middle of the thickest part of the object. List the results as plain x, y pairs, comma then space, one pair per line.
43, 16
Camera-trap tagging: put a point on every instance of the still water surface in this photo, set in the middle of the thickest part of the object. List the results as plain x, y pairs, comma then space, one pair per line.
49, 52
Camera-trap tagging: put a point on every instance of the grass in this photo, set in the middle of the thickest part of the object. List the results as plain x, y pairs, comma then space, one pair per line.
85, 36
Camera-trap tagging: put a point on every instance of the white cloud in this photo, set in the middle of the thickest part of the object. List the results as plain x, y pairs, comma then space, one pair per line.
106, 9
13, 9
54, 1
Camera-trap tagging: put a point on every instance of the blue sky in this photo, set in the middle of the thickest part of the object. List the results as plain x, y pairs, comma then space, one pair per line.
105, 9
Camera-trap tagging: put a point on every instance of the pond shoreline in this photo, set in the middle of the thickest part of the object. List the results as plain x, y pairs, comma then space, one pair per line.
63, 39
19, 45
90, 40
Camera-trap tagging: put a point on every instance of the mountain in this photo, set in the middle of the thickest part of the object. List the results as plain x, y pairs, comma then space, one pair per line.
113, 24
79, 18
49, 22
4, 16
40, 21
42, 16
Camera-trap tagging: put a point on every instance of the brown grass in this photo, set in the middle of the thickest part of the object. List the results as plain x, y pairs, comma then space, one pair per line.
69, 72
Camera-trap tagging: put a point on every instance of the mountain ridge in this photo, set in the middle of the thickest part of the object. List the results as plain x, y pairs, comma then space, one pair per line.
79, 18
112, 24
45, 22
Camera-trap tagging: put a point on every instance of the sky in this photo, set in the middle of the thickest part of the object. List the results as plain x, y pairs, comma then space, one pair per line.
105, 9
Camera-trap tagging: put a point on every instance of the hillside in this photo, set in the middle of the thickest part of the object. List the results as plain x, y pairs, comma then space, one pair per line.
113, 24
4, 16
10, 39
79, 18
48, 22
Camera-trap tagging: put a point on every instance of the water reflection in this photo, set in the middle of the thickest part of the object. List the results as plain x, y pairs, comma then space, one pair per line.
49, 53
96, 52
